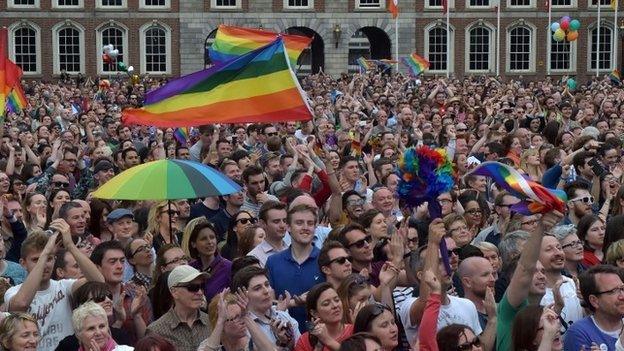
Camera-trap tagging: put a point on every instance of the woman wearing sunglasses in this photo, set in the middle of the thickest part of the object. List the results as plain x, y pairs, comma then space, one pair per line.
591, 230
326, 328
378, 320
161, 221
238, 224
204, 253
101, 294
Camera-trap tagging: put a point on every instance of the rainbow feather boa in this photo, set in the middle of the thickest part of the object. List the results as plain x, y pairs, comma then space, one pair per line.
424, 174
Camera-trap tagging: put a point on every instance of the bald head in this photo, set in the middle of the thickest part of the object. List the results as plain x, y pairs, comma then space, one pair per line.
472, 266
304, 199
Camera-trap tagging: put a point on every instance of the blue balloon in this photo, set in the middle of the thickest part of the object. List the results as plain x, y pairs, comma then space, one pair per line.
554, 26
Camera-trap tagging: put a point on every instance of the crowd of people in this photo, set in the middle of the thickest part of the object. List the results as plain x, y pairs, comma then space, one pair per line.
317, 252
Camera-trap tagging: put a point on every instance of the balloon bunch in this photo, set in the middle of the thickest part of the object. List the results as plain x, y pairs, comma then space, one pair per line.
565, 29
109, 56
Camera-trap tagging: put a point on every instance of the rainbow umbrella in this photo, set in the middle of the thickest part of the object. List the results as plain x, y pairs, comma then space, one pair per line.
167, 180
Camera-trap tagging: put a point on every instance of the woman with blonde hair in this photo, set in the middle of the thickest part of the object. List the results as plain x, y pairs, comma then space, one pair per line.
615, 254
530, 163
161, 221
90, 322
19, 331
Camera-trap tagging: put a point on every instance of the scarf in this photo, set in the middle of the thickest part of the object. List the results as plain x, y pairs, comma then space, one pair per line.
110, 346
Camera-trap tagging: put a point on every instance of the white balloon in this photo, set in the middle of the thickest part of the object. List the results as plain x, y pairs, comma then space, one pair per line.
106, 49
113, 53
130, 69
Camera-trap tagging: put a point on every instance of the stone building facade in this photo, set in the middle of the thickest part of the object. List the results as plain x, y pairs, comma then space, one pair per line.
179, 31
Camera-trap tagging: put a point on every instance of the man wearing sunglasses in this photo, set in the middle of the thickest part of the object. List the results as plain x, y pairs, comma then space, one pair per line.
185, 325
335, 263
359, 246
580, 202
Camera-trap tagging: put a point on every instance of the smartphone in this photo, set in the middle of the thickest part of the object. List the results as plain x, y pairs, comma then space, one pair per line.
596, 167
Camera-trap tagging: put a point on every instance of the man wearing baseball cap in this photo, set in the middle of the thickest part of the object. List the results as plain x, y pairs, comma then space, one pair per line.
184, 325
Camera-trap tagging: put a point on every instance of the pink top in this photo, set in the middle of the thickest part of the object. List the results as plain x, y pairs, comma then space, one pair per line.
428, 327
303, 344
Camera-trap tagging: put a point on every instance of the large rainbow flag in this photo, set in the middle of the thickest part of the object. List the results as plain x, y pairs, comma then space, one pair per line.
231, 42
534, 197
256, 87
416, 64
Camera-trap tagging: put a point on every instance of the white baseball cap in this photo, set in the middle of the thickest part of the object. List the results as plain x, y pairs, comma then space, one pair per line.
184, 274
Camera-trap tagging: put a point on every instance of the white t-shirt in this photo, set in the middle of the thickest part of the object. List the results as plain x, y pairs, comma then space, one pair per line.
457, 311
52, 309
572, 310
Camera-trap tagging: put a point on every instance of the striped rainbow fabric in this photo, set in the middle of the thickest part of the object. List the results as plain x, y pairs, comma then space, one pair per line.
416, 64
256, 87
181, 135
231, 42
534, 197
17, 99
365, 64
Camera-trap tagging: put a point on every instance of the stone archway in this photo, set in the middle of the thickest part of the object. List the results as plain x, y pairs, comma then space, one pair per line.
312, 60
370, 43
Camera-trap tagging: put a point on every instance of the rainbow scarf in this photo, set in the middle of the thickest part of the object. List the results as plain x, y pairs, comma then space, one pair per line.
258, 87
416, 64
231, 42
534, 197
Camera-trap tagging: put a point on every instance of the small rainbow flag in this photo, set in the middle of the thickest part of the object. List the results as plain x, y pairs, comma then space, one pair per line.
181, 135
231, 42
615, 76
365, 64
17, 99
256, 87
535, 197
416, 64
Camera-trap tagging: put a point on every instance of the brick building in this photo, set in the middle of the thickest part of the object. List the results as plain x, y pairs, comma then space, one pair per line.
170, 37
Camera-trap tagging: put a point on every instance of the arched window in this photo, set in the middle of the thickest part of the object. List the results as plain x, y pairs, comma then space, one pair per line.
601, 48
117, 36
480, 49
155, 49
25, 47
520, 52
207, 44
562, 55
68, 38
436, 50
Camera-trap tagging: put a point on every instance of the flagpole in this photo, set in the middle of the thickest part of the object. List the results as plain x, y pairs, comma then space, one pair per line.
616, 38
498, 13
448, 39
598, 43
396, 37
548, 36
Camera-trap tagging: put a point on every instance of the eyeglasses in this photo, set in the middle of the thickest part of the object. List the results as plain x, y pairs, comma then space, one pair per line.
468, 346
271, 134
361, 243
572, 244
615, 291
102, 297
356, 202
474, 211
584, 199
61, 184
178, 260
192, 287
341, 260
143, 248
247, 220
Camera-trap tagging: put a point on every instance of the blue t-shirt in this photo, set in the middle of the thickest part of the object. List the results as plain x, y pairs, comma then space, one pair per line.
585, 332
286, 274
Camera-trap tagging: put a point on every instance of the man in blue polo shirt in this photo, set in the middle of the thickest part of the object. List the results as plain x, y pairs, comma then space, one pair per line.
295, 269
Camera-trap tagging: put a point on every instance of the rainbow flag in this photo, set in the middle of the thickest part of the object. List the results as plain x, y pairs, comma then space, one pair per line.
365, 64
231, 42
3, 83
535, 197
416, 64
256, 87
17, 99
615, 76
181, 135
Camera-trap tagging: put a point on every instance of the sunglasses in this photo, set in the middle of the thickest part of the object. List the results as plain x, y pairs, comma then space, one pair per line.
61, 184
584, 199
247, 220
192, 287
361, 243
468, 346
102, 297
341, 260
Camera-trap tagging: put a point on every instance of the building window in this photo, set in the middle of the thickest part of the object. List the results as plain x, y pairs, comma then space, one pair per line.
298, 4
155, 49
226, 4
24, 47
67, 3
111, 4
437, 4
23, 4
69, 50
561, 3
600, 55
154, 4
560, 55
520, 48
520, 3
479, 49
115, 36
478, 3
370, 4
603, 3
437, 49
